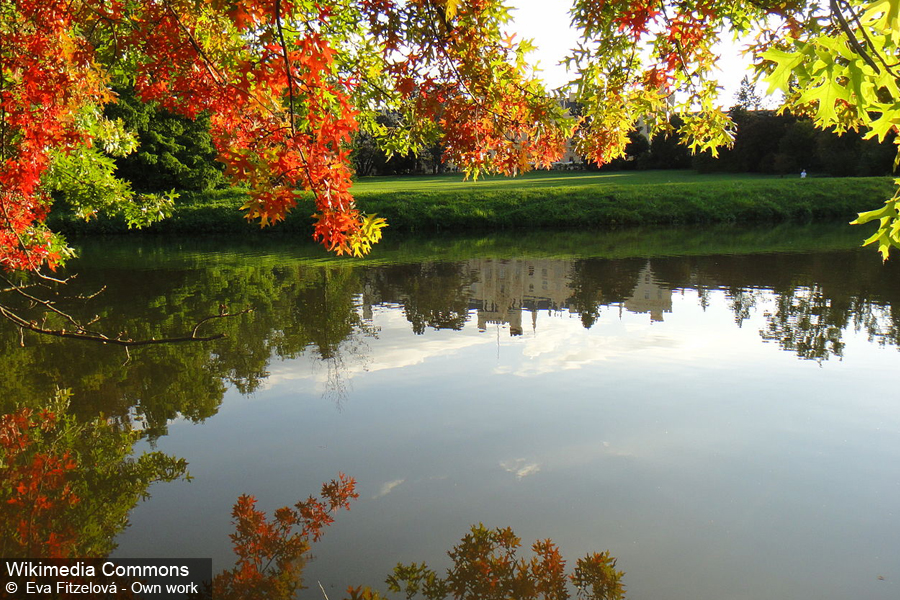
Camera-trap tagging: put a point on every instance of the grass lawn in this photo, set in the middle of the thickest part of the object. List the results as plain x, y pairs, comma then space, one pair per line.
541, 179
577, 199
545, 199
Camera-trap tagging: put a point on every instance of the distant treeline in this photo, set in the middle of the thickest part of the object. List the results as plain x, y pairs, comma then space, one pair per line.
176, 153
766, 142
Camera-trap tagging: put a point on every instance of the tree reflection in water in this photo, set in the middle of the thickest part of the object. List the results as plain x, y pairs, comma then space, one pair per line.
486, 567
271, 554
68, 475
325, 311
66, 487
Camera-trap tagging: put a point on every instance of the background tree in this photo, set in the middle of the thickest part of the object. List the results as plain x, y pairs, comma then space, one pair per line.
667, 148
797, 149
766, 142
173, 152
746, 96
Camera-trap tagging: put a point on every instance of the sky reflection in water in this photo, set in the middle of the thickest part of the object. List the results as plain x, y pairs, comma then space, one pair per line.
711, 463
727, 426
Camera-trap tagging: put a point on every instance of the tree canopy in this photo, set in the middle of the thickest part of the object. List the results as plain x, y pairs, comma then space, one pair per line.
287, 82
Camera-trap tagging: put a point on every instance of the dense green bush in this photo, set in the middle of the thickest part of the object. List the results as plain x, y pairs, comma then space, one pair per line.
174, 152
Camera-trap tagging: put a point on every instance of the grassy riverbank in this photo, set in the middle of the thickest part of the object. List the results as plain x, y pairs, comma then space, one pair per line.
549, 200
645, 242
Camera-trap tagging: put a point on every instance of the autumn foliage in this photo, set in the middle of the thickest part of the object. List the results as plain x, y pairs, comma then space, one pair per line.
487, 566
38, 488
270, 553
285, 84
288, 83
66, 487
47, 76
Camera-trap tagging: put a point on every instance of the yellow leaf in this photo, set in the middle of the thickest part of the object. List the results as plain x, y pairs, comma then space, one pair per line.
450, 11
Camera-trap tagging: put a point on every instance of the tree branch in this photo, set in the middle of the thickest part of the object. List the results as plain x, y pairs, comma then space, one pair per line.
217, 77
287, 64
90, 336
851, 35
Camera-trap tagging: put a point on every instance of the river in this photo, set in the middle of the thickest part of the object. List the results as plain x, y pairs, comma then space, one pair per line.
724, 420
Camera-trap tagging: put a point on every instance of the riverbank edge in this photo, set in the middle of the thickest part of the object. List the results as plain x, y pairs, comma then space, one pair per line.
563, 207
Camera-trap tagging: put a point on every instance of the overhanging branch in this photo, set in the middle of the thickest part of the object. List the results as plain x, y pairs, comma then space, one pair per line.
80, 333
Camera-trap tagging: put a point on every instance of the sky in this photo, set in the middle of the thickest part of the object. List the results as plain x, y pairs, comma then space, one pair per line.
547, 23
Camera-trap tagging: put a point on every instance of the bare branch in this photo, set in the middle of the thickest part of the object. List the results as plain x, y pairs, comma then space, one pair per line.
47, 304
90, 336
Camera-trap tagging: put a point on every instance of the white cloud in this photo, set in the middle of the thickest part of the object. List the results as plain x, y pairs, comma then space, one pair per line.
520, 467
567, 346
387, 488
395, 348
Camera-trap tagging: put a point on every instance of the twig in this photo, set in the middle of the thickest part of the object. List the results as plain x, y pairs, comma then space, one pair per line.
217, 77
47, 304
888, 68
851, 36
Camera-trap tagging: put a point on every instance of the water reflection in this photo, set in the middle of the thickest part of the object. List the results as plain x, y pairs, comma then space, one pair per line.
486, 566
805, 315
413, 436
67, 487
808, 302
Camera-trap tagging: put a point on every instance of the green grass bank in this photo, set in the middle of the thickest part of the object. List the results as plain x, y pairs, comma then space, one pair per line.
192, 252
560, 200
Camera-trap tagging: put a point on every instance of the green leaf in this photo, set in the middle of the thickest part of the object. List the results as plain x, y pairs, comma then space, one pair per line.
881, 127
786, 62
865, 217
888, 234
884, 14
825, 94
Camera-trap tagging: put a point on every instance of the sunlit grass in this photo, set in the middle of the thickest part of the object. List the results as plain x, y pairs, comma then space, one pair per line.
545, 199
538, 179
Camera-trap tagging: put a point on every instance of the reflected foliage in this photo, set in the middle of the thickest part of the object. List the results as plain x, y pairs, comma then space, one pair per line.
271, 553
66, 487
321, 313
599, 283
433, 295
68, 474
805, 322
486, 566
808, 301
295, 309
324, 310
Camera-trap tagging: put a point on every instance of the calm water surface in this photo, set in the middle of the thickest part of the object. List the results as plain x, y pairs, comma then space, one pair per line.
726, 424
